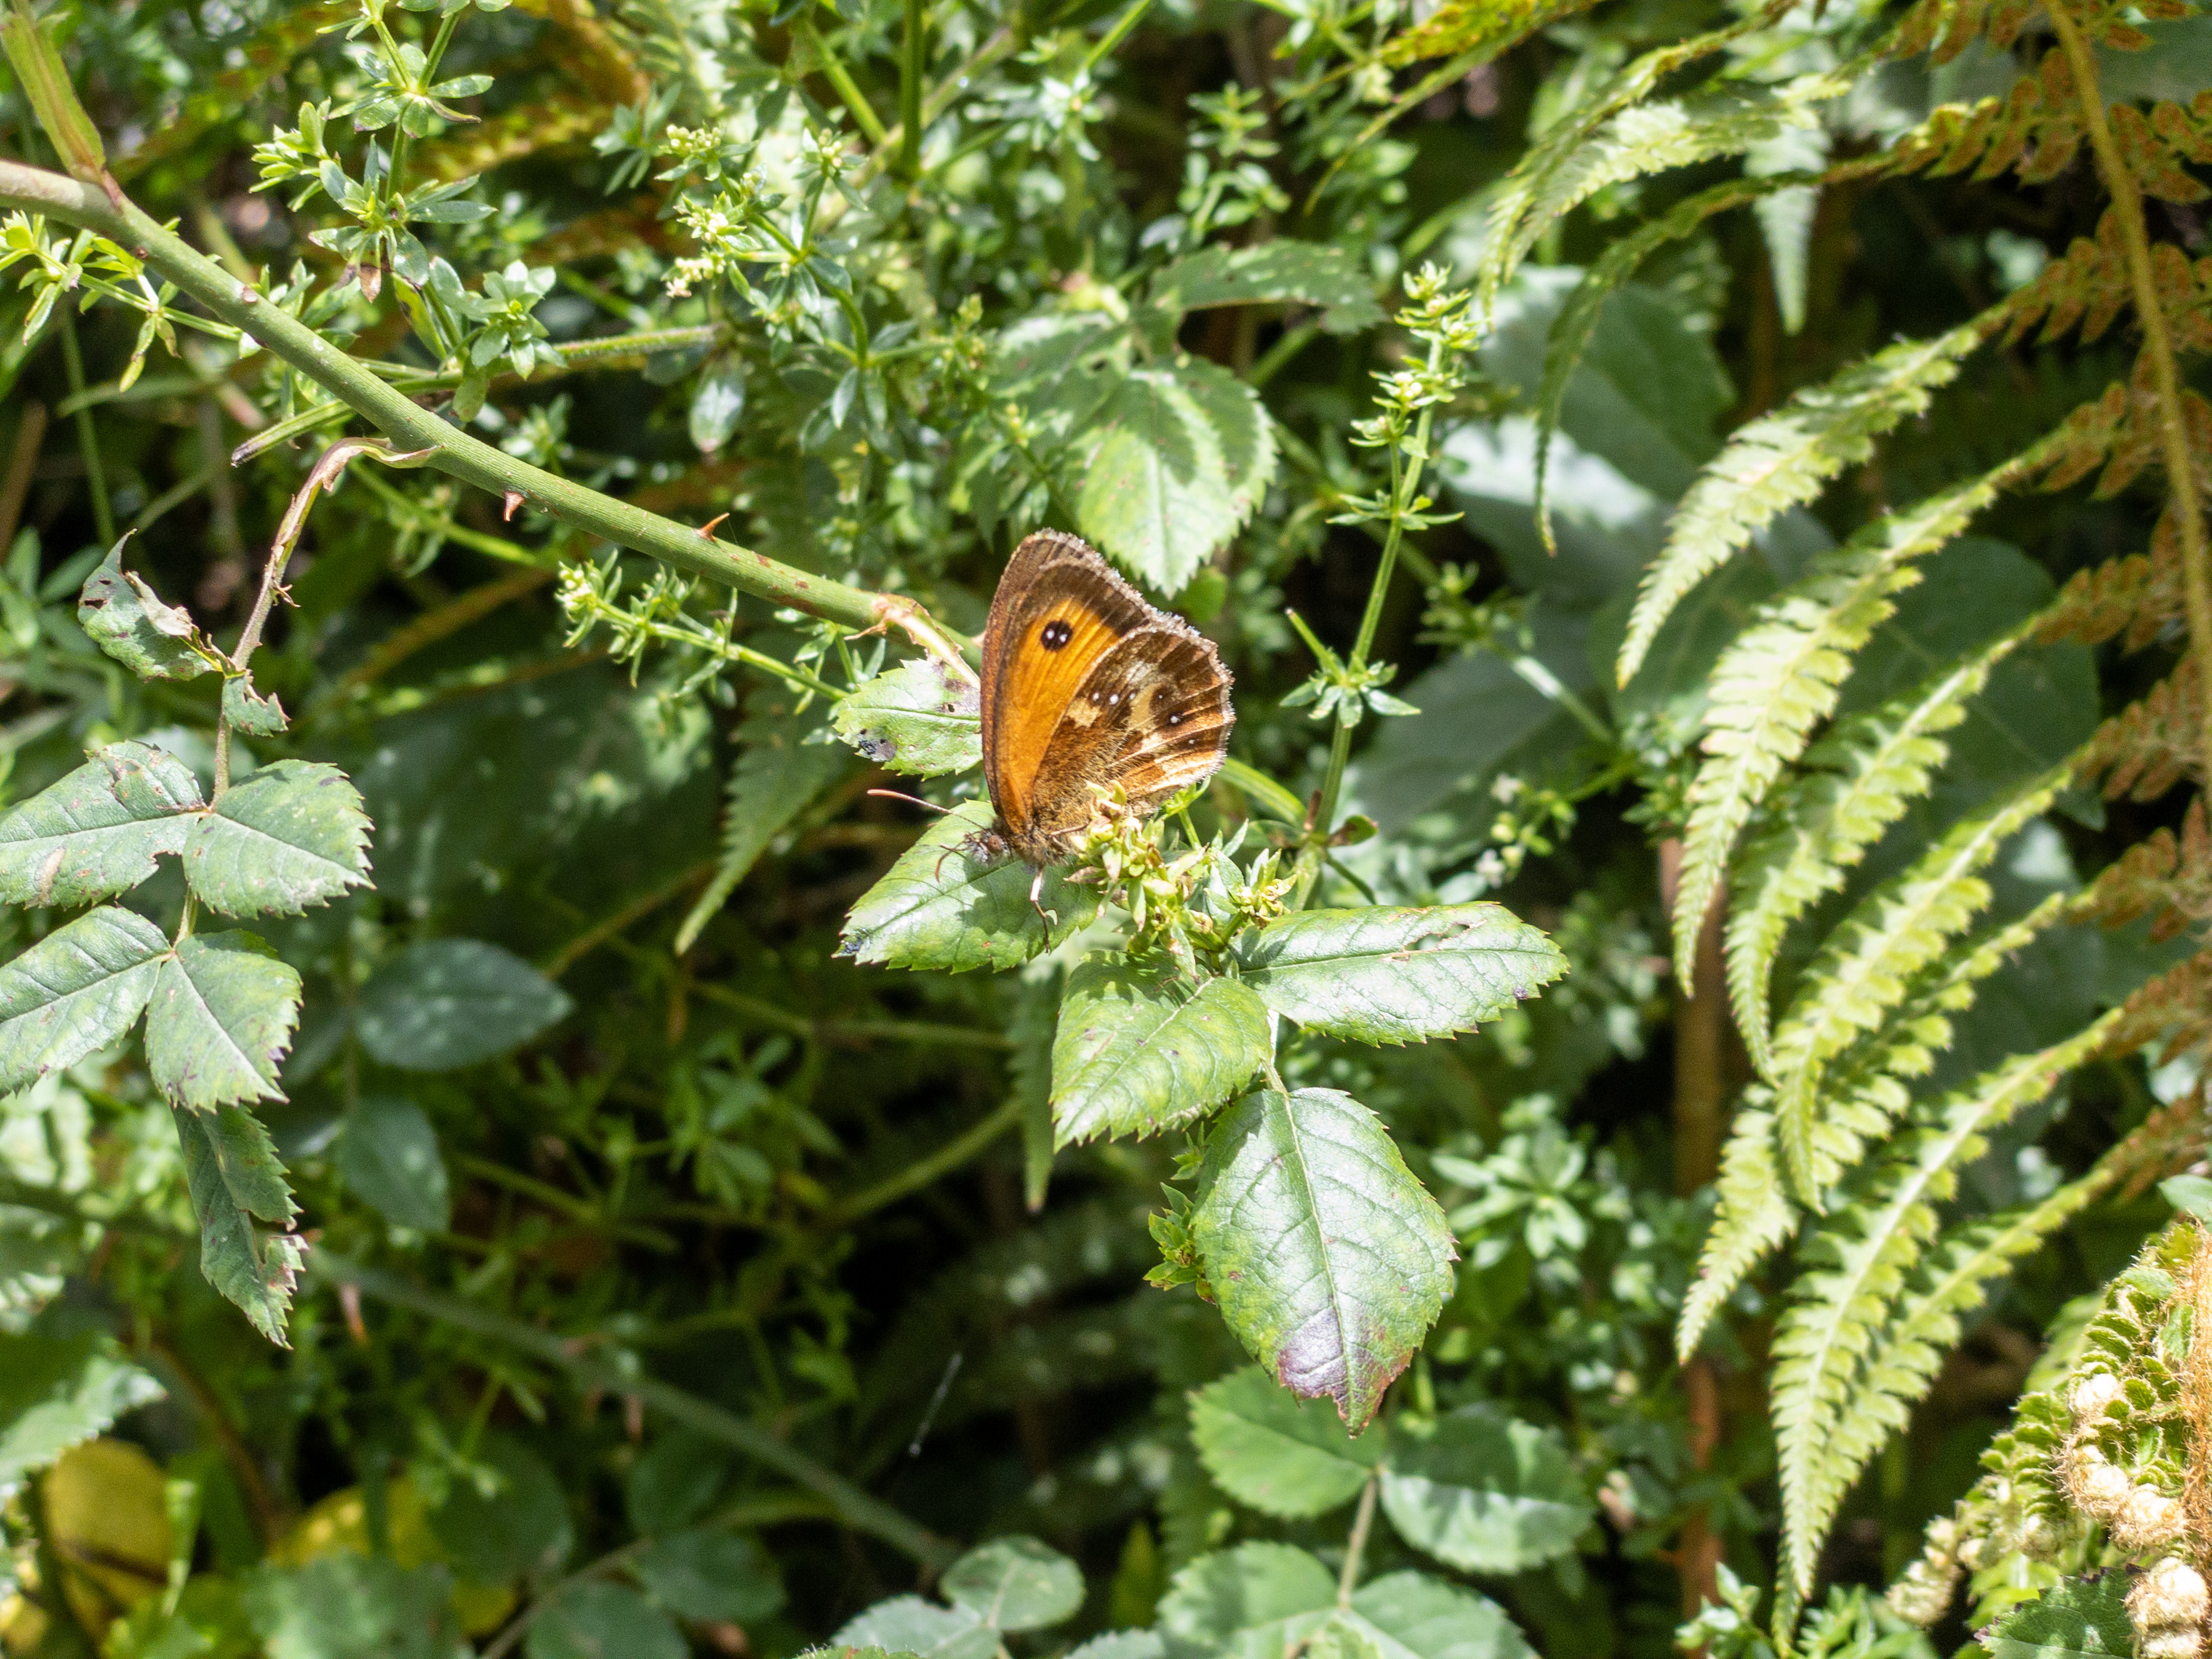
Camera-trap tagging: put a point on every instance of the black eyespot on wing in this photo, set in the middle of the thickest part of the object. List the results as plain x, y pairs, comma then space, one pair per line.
1056, 634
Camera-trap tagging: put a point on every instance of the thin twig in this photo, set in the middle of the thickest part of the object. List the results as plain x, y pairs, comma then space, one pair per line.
1355, 1549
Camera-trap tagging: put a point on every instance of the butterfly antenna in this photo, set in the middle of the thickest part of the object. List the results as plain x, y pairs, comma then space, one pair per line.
916, 800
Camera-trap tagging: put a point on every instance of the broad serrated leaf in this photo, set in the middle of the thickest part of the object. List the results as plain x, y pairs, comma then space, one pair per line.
1312, 273
2082, 1618
78, 989
1410, 1615
1274, 1453
514, 1525
776, 777
291, 836
220, 1020
1015, 1583
918, 718
445, 1002
1783, 460
946, 905
1255, 1601
97, 832
386, 1153
58, 1392
1398, 975
128, 621
710, 1573
1139, 1048
249, 712
908, 1625
247, 1248
1329, 1261
1182, 457
1482, 1491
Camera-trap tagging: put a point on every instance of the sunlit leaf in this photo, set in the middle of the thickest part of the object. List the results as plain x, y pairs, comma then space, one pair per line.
246, 1209
918, 717
947, 905
1015, 1583
1484, 1493
98, 831
1275, 1453
1138, 1048
291, 836
221, 1019
78, 989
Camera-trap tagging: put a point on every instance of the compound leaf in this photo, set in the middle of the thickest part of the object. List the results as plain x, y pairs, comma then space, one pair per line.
78, 989
220, 1020
946, 905
918, 717
1274, 1453
1483, 1492
239, 1194
1015, 1583
1255, 1601
97, 832
291, 836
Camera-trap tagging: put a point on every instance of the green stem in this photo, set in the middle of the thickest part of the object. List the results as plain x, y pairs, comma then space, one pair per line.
457, 454
1355, 1548
842, 78
579, 1358
914, 63
918, 1175
1114, 37
87, 435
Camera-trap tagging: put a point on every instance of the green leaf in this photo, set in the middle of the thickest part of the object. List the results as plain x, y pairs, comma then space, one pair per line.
77, 990
2082, 1619
507, 1519
220, 1020
1255, 1601
1784, 460
386, 1153
1753, 1214
128, 621
1401, 976
717, 403
917, 719
1274, 1453
445, 1002
1312, 273
346, 1606
1482, 1491
906, 1624
594, 1620
1182, 457
1410, 1615
249, 712
776, 778
291, 836
709, 1573
98, 831
237, 1184
2189, 1195
944, 905
1139, 1048
1015, 1583
1329, 1260
58, 1392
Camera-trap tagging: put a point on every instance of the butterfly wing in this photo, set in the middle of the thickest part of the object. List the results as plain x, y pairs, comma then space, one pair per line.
1058, 613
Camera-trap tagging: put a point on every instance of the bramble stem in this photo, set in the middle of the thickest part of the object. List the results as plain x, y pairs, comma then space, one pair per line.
2158, 344
412, 427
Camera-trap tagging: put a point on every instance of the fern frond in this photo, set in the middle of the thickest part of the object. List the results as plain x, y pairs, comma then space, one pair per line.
1949, 27
1485, 27
1836, 1310
1861, 779
1752, 1216
778, 777
1783, 461
1544, 184
2168, 1015
1779, 677
1864, 969
2153, 744
2139, 596
2166, 877
565, 117
1577, 319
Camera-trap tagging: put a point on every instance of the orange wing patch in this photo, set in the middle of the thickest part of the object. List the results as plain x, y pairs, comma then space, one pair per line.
1036, 688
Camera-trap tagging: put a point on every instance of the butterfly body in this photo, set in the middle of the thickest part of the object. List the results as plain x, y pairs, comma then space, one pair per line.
1086, 688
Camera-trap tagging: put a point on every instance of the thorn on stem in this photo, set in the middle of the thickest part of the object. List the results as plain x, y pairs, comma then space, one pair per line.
707, 530
512, 500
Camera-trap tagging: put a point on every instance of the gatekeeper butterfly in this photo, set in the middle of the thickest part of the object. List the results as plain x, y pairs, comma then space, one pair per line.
1086, 686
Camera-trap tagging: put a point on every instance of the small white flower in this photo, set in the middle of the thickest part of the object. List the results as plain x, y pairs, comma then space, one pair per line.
1505, 787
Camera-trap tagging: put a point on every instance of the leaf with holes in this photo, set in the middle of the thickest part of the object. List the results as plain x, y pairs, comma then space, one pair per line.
97, 832
445, 1002
128, 621
1329, 1261
918, 718
947, 905
291, 836
249, 712
1272, 1452
78, 989
1399, 975
220, 1020
1139, 1048
247, 1248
